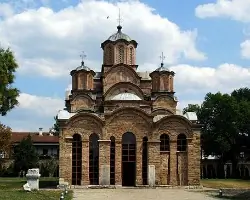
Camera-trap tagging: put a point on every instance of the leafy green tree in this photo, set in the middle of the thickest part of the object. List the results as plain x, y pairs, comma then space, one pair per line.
225, 119
191, 108
56, 126
8, 93
49, 167
5, 140
25, 155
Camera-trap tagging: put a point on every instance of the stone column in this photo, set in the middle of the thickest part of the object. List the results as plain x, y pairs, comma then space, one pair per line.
194, 157
139, 162
67, 160
85, 162
153, 162
118, 163
173, 162
104, 162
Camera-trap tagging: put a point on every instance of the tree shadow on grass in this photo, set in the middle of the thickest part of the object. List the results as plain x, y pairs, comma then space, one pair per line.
233, 194
48, 184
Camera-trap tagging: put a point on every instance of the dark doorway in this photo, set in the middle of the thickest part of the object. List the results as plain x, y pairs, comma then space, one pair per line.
112, 161
76, 160
145, 161
128, 159
93, 159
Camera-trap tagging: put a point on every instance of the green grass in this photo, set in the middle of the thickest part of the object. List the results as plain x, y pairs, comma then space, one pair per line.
226, 183
12, 189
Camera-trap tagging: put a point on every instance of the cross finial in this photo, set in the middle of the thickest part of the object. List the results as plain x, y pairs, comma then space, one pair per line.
119, 20
83, 56
162, 57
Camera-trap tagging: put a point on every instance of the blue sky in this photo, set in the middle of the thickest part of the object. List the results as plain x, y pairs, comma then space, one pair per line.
206, 42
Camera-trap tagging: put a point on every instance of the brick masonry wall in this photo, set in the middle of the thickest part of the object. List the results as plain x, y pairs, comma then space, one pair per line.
164, 168
141, 125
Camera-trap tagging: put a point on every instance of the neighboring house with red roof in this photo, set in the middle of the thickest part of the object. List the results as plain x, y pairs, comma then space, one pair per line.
46, 144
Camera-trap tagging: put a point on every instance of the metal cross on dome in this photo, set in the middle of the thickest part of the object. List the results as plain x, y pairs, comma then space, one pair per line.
83, 56
162, 57
119, 18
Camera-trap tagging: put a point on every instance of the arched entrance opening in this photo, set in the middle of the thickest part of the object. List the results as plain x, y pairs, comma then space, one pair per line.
128, 159
112, 160
76, 160
93, 159
145, 161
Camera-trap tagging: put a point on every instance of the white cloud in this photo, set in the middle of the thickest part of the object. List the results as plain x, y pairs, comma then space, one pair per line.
52, 41
245, 49
39, 105
225, 78
5, 10
238, 10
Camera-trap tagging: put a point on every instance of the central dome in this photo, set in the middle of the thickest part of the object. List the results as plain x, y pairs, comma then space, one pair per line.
119, 35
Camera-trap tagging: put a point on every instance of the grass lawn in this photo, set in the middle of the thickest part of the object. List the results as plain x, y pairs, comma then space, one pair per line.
12, 189
226, 183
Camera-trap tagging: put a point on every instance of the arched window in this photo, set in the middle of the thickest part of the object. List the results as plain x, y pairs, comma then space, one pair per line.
82, 81
109, 55
120, 54
93, 159
164, 146
76, 160
145, 161
112, 160
131, 52
181, 142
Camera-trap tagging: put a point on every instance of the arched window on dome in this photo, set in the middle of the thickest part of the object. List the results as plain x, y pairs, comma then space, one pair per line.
120, 56
109, 55
131, 55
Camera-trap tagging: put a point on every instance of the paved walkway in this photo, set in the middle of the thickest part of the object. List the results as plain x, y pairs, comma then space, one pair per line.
139, 194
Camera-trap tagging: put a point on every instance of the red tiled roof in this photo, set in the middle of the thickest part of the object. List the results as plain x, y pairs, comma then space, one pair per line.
36, 138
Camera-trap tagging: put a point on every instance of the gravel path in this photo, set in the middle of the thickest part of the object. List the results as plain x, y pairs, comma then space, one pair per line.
139, 194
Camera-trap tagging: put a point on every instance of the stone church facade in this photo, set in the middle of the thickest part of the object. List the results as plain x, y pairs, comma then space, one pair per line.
121, 127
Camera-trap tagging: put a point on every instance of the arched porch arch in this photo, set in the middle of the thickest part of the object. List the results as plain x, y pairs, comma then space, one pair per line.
128, 159
128, 119
76, 159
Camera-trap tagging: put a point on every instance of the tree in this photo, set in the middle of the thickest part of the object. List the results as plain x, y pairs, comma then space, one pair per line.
225, 118
25, 155
8, 93
56, 126
5, 139
191, 108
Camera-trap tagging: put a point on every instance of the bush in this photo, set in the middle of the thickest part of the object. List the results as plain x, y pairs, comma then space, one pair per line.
49, 168
8, 171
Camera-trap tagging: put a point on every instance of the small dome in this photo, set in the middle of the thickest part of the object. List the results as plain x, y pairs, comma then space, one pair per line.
63, 114
83, 67
162, 69
119, 35
126, 96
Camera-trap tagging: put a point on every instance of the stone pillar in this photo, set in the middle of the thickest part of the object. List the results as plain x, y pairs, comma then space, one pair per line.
139, 162
118, 163
153, 162
104, 162
67, 160
194, 158
173, 162
85, 162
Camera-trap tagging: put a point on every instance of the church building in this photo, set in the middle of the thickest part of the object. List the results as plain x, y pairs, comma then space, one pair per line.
120, 127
